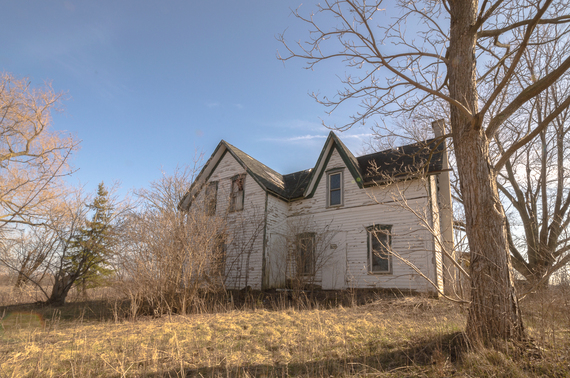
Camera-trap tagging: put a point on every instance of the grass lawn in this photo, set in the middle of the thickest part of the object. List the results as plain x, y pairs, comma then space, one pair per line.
390, 337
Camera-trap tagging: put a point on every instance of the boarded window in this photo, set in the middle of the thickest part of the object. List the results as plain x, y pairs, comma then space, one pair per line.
237, 194
211, 198
379, 245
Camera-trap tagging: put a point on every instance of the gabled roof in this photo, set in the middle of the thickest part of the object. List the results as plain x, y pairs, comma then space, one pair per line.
267, 178
400, 163
348, 158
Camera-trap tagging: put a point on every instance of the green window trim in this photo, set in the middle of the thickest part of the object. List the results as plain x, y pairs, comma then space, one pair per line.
335, 188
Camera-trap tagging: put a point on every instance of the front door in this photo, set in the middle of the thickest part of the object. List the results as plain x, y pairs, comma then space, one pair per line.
334, 268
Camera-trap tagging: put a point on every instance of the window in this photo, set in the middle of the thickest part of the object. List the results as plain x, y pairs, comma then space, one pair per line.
236, 196
211, 198
305, 259
334, 183
379, 242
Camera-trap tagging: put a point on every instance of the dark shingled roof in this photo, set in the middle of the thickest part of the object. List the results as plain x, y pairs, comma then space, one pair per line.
400, 163
295, 183
267, 177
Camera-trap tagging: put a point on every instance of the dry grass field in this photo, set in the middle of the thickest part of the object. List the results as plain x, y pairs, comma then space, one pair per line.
388, 337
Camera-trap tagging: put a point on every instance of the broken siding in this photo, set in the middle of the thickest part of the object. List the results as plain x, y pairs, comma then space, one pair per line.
374, 206
276, 239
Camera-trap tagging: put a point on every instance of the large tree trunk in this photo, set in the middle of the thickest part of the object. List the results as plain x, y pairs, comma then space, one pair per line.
59, 291
21, 280
494, 309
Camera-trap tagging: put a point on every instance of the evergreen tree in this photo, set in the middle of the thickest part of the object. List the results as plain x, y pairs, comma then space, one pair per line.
93, 243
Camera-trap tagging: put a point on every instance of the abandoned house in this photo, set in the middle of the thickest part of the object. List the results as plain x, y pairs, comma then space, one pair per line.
374, 221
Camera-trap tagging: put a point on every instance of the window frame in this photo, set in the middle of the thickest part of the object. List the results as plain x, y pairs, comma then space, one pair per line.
330, 173
300, 254
211, 199
371, 232
234, 194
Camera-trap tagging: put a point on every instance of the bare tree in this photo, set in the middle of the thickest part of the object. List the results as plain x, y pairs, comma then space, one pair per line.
242, 234
26, 251
66, 222
458, 47
50, 250
170, 257
534, 181
32, 157
49, 246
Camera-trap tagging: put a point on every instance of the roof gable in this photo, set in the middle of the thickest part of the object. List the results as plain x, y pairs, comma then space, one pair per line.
267, 178
348, 158
203, 176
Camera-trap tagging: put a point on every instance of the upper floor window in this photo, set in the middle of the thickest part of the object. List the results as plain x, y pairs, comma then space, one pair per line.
305, 258
334, 184
379, 245
211, 198
237, 193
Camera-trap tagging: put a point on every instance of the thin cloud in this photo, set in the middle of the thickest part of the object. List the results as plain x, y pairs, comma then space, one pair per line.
295, 139
306, 137
297, 124
309, 137
353, 136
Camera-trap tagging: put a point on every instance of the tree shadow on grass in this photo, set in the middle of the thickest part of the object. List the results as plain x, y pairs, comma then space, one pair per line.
94, 310
270, 300
401, 360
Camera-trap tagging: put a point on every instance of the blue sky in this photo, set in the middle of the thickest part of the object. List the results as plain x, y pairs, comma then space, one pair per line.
147, 83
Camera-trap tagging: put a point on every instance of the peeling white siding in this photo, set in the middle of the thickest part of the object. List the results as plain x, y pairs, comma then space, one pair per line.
276, 249
375, 206
245, 228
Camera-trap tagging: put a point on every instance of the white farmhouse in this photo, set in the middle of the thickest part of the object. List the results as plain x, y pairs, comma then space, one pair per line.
350, 222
